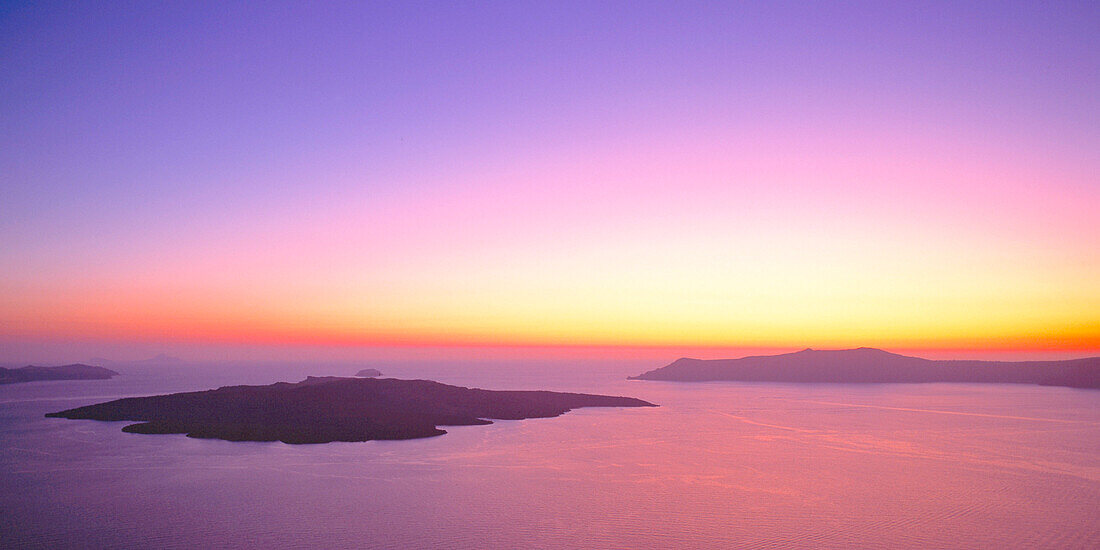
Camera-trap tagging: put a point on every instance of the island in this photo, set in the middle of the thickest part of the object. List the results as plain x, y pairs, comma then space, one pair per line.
326, 409
369, 373
76, 371
869, 365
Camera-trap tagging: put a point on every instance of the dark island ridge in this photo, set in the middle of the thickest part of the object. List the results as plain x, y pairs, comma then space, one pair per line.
76, 371
869, 365
321, 410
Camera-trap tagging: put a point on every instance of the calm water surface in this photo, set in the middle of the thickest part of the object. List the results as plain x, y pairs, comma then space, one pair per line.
717, 465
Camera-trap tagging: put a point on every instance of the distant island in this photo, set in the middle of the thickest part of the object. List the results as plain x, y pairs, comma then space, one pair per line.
159, 359
869, 365
77, 371
369, 373
325, 409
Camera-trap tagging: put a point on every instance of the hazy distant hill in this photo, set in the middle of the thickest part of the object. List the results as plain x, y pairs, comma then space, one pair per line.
869, 365
75, 371
159, 359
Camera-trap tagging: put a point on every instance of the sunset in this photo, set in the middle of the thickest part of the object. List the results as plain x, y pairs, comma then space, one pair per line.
557, 196
551, 176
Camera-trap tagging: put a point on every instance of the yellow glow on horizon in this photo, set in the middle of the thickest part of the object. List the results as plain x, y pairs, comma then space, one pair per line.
631, 263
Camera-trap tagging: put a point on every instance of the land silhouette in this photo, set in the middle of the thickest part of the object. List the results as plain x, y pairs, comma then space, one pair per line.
76, 371
869, 365
325, 409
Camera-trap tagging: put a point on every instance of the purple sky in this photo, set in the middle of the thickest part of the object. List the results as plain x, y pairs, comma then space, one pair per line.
138, 135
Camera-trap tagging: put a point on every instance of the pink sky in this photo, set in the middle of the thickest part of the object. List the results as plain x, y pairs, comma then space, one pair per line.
711, 178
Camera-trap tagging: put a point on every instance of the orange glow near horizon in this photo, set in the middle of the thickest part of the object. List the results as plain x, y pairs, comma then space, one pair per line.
570, 339
688, 235
803, 278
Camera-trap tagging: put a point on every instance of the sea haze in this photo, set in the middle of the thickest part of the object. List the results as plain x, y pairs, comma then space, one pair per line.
718, 464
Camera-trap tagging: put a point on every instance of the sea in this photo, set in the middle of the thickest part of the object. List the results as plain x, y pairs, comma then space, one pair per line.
716, 465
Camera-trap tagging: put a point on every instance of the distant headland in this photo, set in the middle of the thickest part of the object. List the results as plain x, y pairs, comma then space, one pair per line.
369, 373
321, 410
76, 371
869, 365
158, 359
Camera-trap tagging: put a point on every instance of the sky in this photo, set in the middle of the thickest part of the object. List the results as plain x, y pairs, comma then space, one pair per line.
635, 178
